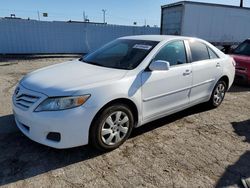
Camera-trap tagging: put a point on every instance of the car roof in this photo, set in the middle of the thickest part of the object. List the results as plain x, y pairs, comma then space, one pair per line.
165, 38
158, 38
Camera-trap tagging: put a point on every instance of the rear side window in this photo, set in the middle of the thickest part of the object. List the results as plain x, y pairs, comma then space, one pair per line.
174, 53
199, 51
212, 54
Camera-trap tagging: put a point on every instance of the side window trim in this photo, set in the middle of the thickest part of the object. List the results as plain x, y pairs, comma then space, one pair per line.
175, 40
188, 51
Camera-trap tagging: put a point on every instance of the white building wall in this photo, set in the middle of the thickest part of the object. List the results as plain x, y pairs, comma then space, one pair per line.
217, 24
32, 37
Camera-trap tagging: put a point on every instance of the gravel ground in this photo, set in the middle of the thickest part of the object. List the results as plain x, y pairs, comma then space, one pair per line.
194, 148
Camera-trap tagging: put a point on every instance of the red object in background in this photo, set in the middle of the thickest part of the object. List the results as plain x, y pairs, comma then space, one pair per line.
241, 56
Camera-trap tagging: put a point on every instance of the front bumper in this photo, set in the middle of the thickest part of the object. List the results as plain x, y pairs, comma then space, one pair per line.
72, 124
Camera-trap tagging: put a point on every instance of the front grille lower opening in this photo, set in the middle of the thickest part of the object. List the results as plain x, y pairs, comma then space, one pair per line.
53, 136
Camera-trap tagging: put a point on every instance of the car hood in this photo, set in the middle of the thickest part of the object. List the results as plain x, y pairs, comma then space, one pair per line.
67, 78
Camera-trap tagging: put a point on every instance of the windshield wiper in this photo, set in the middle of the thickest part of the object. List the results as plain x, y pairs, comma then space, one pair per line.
97, 64
92, 63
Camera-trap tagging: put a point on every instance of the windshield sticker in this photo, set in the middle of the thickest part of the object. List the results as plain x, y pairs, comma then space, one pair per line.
142, 47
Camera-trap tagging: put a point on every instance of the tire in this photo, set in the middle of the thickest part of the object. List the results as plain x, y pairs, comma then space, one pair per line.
111, 127
218, 94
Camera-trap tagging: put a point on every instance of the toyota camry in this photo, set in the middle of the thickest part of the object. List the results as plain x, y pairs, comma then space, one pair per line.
100, 98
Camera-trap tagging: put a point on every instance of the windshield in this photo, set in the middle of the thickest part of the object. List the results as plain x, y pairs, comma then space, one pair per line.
121, 54
243, 48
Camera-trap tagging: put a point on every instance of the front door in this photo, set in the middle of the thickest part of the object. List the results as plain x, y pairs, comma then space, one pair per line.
165, 91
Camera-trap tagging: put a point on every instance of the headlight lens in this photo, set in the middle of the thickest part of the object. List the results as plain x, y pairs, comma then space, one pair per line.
62, 103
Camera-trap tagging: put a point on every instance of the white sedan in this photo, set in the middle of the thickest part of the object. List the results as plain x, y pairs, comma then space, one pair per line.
131, 81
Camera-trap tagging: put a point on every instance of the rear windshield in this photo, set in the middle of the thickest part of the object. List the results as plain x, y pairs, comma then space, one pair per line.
243, 48
121, 54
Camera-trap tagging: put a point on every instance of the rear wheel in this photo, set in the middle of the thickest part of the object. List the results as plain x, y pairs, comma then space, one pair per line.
218, 94
112, 127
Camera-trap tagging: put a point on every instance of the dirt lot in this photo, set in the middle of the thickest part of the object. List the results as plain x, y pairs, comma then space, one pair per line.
194, 148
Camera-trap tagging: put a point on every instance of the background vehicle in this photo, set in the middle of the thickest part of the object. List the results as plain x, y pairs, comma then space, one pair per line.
221, 25
241, 56
125, 84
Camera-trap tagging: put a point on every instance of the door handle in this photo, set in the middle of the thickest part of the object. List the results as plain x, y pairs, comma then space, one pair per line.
218, 65
188, 72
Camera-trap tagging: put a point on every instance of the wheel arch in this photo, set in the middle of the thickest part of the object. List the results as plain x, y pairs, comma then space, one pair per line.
132, 106
225, 79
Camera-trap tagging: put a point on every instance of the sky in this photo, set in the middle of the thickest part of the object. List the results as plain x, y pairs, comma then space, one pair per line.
122, 12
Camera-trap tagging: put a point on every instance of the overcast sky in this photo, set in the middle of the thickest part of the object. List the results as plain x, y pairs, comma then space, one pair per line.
123, 12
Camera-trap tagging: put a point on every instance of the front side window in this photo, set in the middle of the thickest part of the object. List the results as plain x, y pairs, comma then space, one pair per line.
174, 53
199, 51
243, 48
121, 54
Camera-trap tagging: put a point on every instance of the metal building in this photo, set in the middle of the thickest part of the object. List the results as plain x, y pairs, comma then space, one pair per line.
19, 36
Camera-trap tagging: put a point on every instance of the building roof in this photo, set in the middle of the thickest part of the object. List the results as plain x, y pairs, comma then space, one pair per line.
155, 37
201, 3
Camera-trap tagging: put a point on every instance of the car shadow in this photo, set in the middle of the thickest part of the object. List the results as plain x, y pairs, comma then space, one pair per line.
21, 158
241, 169
169, 119
7, 124
239, 88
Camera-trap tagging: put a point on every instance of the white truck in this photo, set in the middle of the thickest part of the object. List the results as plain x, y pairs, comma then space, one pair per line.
222, 25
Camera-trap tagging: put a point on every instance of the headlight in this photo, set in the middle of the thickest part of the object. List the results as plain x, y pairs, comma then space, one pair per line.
62, 103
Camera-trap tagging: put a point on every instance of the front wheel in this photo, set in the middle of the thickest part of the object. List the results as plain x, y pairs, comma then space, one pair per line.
218, 94
112, 127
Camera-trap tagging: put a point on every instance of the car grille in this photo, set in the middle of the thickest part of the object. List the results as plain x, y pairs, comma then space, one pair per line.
25, 101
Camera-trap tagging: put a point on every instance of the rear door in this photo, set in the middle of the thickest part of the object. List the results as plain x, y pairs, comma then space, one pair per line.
206, 68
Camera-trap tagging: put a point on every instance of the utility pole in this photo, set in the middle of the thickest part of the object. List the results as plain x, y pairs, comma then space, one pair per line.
104, 15
38, 14
241, 3
84, 16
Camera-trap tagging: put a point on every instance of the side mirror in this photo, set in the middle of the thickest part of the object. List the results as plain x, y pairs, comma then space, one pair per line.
159, 65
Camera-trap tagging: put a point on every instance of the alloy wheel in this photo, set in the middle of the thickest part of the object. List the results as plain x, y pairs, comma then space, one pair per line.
115, 128
219, 94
